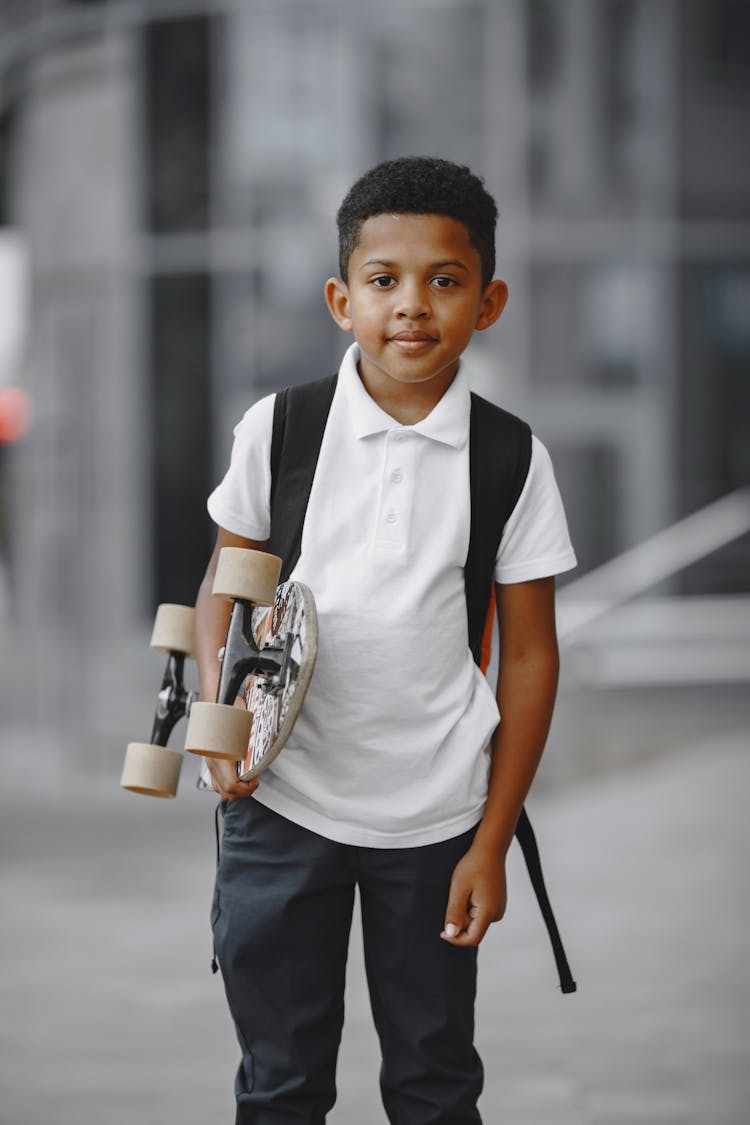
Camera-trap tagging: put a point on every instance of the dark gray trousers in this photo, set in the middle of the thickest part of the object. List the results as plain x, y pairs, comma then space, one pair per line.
281, 917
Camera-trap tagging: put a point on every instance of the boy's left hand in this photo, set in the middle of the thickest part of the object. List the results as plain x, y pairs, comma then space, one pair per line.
477, 896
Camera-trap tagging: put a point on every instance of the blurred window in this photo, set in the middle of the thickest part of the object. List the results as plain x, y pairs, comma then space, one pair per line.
588, 107
178, 118
594, 325
556, 337
725, 41
285, 110
281, 166
588, 476
716, 369
543, 45
177, 100
622, 310
619, 118
714, 409
180, 413
420, 106
713, 181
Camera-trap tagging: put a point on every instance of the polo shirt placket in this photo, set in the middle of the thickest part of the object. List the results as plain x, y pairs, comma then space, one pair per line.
397, 489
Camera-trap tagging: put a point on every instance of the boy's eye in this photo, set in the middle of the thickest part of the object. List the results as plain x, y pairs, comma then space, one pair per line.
382, 282
444, 282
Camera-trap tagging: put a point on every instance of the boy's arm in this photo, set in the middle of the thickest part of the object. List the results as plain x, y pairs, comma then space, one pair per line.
211, 623
526, 691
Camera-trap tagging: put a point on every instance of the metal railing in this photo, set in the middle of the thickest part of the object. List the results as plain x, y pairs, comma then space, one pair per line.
664, 639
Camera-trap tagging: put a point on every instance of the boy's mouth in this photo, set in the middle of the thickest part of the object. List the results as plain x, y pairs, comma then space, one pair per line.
412, 341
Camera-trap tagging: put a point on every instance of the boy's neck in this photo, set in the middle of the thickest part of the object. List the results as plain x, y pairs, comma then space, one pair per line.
407, 403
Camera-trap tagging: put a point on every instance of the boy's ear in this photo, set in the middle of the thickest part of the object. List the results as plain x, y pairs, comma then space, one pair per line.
337, 299
493, 302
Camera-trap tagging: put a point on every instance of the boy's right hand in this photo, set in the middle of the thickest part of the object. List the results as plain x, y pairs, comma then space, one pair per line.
226, 782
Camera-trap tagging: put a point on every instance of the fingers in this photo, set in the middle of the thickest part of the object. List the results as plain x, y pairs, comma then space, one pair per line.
457, 911
470, 929
226, 782
477, 897
466, 921
241, 789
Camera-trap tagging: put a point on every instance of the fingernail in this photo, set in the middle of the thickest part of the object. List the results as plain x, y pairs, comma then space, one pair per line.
451, 929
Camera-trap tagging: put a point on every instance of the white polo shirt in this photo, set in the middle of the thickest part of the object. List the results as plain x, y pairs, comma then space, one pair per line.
391, 746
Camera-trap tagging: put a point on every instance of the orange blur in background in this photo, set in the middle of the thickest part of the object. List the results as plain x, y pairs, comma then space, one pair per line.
15, 414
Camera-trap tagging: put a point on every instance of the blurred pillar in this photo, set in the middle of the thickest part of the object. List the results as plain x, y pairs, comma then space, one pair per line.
504, 160
81, 477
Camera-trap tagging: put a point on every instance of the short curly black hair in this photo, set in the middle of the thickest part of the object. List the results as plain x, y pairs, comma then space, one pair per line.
420, 185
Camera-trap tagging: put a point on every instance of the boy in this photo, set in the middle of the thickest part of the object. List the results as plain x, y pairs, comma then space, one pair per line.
398, 777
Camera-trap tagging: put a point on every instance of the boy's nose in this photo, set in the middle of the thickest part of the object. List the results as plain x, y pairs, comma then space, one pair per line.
412, 303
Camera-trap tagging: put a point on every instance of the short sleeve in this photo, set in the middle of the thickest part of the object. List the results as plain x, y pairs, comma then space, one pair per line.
535, 541
241, 503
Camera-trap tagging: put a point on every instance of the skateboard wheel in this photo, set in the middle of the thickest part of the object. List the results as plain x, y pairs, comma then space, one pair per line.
250, 575
216, 730
173, 629
153, 770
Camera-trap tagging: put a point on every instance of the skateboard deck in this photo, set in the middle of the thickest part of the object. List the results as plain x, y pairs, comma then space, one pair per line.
289, 628
267, 662
291, 623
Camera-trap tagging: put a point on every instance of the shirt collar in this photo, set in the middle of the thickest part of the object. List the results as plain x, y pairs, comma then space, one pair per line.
447, 422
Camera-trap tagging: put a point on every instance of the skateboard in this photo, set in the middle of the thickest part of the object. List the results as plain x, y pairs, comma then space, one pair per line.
267, 662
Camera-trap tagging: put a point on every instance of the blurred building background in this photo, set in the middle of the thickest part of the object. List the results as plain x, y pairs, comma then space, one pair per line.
169, 175
172, 169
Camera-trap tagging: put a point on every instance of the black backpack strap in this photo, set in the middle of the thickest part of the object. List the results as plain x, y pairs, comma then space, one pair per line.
499, 460
527, 840
300, 414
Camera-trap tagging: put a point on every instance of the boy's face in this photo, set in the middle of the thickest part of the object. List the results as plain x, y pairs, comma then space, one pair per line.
414, 299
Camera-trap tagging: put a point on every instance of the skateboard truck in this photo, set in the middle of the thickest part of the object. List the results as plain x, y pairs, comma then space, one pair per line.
274, 685
221, 730
153, 768
240, 657
173, 701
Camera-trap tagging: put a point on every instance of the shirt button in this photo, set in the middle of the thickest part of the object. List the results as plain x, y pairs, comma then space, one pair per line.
397, 476
391, 517
399, 436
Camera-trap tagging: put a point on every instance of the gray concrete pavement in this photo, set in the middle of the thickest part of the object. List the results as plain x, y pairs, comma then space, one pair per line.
109, 1012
